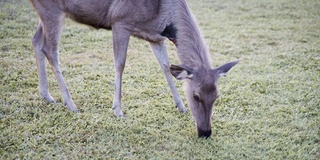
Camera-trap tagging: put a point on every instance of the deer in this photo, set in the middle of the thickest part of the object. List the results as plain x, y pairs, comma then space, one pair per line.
151, 20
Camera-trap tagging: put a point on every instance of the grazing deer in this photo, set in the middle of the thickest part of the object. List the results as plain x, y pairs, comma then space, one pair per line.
151, 20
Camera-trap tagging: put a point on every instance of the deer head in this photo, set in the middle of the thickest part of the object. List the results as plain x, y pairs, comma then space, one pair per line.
201, 87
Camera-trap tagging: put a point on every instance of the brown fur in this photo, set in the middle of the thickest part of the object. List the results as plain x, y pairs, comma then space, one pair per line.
145, 19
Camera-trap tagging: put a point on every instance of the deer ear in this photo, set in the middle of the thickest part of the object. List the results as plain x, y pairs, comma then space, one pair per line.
181, 72
222, 70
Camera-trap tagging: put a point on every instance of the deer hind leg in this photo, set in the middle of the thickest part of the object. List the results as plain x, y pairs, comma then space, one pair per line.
38, 42
159, 49
120, 45
48, 35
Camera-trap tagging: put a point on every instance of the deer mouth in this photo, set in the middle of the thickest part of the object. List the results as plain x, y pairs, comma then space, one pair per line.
204, 134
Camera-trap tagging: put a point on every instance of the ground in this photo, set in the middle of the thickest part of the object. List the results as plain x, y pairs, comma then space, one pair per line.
269, 104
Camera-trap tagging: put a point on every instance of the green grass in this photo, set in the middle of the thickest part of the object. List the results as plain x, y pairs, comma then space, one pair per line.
269, 106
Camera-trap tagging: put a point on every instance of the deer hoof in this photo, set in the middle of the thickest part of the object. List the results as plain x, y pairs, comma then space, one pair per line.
181, 108
48, 98
71, 106
118, 113
75, 110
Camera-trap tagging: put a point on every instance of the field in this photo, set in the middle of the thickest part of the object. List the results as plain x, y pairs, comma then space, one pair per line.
269, 106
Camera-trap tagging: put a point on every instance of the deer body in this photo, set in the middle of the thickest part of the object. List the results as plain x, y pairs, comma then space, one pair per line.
153, 21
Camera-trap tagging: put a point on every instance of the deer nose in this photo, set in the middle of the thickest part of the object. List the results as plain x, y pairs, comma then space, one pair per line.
204, 134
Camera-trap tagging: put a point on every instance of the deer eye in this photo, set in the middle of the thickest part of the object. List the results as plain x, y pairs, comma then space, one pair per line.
196, 97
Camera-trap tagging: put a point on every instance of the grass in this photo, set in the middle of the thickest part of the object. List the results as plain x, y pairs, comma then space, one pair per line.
269, 106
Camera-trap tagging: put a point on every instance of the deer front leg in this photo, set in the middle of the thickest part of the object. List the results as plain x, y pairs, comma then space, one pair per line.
120, 44
160, 51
